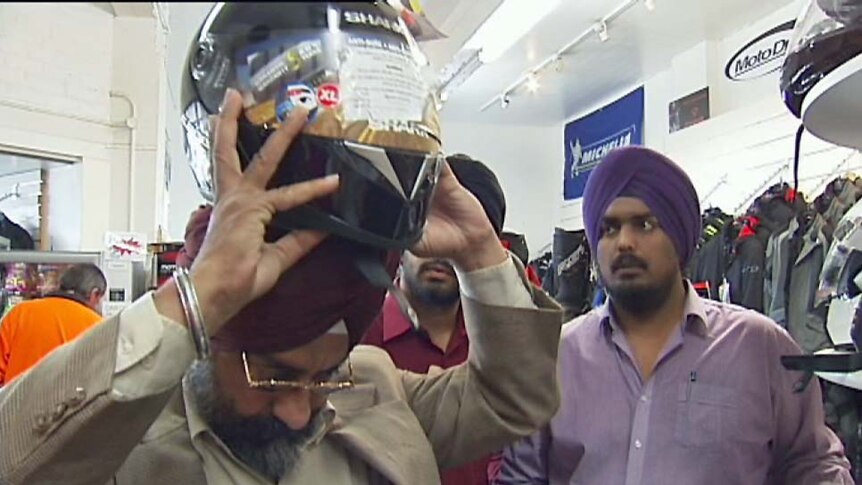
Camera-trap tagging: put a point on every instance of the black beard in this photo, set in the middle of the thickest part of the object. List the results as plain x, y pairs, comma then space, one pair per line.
265, 444
429, 294
641, 300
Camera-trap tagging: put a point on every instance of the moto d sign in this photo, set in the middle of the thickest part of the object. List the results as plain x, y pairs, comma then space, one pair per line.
761, 56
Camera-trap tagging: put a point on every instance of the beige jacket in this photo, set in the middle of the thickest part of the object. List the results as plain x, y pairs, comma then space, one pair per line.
63, 424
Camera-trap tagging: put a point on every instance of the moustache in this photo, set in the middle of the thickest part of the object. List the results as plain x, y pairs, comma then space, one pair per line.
627, 261
439, 265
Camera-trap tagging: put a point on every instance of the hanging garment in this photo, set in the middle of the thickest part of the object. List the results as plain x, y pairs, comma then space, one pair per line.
777, 273
745, 274
571, 272
18, 237
805, 322
711, 262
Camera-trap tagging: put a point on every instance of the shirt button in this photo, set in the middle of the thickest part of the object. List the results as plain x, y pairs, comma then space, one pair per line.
59, 411
638, 444
42, 423
78, 398
644, 398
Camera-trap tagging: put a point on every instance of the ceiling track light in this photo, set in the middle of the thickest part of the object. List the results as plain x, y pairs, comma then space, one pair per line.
555, 61
558, 64
532, 83
601, 29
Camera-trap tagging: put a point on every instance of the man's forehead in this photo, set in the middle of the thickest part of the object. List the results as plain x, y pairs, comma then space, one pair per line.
627, 208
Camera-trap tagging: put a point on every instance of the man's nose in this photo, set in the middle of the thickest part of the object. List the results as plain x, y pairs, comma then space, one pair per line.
294, 408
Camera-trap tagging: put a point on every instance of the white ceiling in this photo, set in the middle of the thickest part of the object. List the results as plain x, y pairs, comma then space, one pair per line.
641, 44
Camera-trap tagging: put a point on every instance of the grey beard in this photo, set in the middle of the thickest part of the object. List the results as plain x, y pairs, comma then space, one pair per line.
265, 444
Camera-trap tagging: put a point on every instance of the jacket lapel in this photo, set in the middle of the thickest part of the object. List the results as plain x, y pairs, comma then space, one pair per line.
385, 437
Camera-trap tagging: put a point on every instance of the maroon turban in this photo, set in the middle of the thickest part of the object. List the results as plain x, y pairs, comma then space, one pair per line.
321, 289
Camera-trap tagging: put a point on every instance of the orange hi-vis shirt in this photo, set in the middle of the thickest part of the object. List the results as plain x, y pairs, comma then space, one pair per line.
34, 328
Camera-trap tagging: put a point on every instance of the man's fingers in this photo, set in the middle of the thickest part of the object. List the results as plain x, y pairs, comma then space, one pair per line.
226, 166
266, 161
290, 196
289, 249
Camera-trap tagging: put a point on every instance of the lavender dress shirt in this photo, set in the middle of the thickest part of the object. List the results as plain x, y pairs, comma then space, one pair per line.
719, 409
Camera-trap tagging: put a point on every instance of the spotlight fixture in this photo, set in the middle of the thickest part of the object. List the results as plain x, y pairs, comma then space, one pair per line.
558, 64
532, 83
601, 29
649, 4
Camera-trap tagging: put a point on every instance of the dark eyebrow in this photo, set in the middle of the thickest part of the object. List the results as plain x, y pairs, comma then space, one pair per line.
634, 217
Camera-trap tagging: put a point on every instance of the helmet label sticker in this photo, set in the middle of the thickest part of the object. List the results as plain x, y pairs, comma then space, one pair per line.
329, 95
391, 86
296, 95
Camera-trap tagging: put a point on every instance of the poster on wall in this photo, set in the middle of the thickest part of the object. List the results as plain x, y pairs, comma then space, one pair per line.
587, 140
689, 110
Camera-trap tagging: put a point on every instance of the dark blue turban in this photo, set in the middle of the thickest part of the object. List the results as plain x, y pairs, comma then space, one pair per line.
662, 185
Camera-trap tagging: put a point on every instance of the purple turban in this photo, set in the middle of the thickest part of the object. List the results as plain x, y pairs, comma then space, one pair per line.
662, 185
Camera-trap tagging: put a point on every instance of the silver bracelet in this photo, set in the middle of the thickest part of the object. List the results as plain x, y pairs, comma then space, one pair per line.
192, 309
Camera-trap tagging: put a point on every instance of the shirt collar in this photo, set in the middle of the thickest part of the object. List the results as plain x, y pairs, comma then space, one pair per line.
396, 324
694, 311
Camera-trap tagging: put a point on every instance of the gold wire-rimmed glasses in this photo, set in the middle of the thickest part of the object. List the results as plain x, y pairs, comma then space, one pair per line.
321, 387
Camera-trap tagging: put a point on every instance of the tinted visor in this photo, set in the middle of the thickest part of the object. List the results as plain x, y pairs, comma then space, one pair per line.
384, 194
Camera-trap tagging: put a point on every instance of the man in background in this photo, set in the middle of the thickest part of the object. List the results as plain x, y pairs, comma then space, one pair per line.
32, 329
659, 385
432, 290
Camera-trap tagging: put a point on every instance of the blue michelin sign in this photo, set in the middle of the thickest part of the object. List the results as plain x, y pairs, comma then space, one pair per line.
589, 139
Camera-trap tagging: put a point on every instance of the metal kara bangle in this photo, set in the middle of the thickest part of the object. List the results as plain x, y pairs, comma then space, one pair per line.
192, 309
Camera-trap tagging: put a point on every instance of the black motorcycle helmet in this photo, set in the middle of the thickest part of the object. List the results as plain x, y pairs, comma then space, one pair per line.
373, 118
827, 34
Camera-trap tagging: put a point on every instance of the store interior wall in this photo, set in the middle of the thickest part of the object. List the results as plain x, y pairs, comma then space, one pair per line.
747, 140
56, 100
62, 61
65, 219
525, 160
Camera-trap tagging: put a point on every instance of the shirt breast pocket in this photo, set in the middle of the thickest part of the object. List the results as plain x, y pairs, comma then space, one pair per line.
707, 415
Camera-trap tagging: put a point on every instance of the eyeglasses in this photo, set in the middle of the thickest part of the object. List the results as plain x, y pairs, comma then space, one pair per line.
322, 387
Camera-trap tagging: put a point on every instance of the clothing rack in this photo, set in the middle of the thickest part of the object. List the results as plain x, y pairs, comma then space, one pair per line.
15, 192
714, 189
839, 169
760, 188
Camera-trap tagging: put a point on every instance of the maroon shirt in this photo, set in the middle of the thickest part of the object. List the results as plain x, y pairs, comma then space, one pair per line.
413, 350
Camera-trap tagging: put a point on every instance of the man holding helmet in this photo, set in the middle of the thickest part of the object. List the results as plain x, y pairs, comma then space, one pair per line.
273, 308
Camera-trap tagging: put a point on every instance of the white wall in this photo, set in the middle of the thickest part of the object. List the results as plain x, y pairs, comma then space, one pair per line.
526, 160
61, 62
54, 95
65, 219
749, 137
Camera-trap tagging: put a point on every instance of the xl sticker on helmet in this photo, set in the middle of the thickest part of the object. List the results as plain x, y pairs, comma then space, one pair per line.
329, 95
